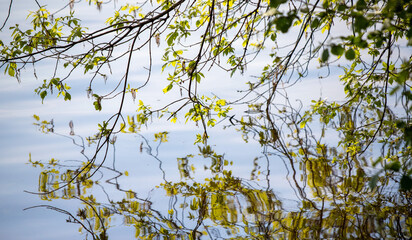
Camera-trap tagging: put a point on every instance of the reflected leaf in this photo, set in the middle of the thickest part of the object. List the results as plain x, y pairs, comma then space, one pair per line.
406, 183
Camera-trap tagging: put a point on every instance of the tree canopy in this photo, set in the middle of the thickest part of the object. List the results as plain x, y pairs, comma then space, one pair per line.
349, 160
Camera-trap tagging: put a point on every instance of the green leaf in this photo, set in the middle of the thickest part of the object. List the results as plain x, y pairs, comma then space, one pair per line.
171, 38
373, 181
359, 42
284, 23
315, 23
11, 71
407, 134
361, 23
325, 56
406, 183
342, 7
97, 105
168, 88
360, 5
43, 95
67, 96
394, 166
350, 54
55, 81
337, 50
276, 3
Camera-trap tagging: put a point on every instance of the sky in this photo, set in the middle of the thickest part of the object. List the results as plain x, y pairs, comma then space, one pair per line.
19, 138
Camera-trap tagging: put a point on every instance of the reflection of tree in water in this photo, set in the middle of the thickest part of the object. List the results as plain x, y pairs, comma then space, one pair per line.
334, 201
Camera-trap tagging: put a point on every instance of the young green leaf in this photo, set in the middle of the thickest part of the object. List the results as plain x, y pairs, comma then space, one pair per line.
325, 56
406, 183
337, 50
350, 54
